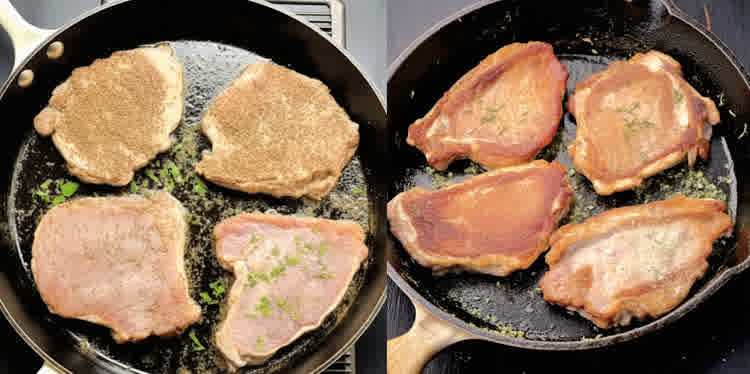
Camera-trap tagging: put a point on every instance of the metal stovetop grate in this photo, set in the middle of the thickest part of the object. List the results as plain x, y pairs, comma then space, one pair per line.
326, 14
329, 16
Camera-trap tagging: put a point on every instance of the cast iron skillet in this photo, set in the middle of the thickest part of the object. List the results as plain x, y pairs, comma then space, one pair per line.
214, 43
586, 36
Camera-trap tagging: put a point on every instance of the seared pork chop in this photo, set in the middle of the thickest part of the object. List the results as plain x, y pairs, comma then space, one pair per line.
291, 273
636, 119
493, 223
637, 261
500, 113
117, 262
278, 132
110, 118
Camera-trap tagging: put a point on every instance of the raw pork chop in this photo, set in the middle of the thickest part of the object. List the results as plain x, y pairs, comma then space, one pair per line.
118, 262
500, 113
634, 261
636, 119
291, 272
278, 132
110, 118
493, 223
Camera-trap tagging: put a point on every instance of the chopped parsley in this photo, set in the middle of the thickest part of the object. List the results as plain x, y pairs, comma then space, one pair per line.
322, 249
174, 171
197, 346
259, 343
218, 288
264, 306
199, 187
358, 191
133, 187
278, 271
308, 246
58, 199
150, 174
206, 298
69, 188
43, 195
251, 280
45, 184
164, 174
276, 251
488, 118
323, 275
261, 276
291, 260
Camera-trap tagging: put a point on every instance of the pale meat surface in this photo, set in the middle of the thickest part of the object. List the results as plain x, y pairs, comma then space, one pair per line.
117, 262
277, 132
637, 118
291, 273
500, 113
637, 261
493, 223
112, 117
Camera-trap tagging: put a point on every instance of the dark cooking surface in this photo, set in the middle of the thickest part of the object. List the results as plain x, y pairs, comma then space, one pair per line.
715, 338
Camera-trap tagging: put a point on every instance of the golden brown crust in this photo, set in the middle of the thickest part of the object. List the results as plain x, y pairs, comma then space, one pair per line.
278, 132
110, 118
636, 119
493, 223
500, 113
633, 261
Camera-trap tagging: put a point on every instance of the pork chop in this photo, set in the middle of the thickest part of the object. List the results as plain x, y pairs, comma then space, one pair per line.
291, 273
278, 132
112, 117
117, 262
493, 223
637, 261
500, 113
636, 119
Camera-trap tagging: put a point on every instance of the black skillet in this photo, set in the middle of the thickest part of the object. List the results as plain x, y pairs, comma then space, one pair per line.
587, 36
214, 41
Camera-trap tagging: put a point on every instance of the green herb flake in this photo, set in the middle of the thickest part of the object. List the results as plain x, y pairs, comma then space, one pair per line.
58, 199
69, 188
199, 187
677, 96
218, 288
45, 184
164, 174
197, 346
133, 187
291, 260
358, 191
308, 246
488, 118
150, 175
276, 251
175, 171
251, 282
43, 195
206, 298
261, 276
264, 306
259, 343
322, 250
284, 305
278, 271
323, 275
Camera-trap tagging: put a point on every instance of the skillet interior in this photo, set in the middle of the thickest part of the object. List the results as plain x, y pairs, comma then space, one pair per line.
209, 66
586, 39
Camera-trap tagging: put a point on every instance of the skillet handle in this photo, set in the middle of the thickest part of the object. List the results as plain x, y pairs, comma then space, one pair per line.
410, 352
25, 36
47, 369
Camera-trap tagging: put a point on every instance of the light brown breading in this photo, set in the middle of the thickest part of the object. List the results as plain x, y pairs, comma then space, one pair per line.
278, 132
112, 117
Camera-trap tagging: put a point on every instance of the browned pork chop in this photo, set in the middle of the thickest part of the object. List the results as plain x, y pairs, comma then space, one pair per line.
500, 113
117, 262
636, 119
291, 272
493, 223
637, 261
110, 118
278, 132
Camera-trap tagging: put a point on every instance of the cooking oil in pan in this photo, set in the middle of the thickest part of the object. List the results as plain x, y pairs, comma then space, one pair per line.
208, 67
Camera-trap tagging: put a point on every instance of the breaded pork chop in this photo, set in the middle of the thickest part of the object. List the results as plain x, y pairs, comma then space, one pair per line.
117, 262
112, 117
637, 261
278, 132
500, 113
493, 223
636, 119
291, 273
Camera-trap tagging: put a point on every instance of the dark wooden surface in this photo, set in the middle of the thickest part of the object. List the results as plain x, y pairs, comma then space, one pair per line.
715, 338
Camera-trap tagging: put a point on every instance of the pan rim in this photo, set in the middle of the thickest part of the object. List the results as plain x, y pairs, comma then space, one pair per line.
12, 77
712, 285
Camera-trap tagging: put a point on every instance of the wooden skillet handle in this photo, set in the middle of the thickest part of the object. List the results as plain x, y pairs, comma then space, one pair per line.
410, 352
